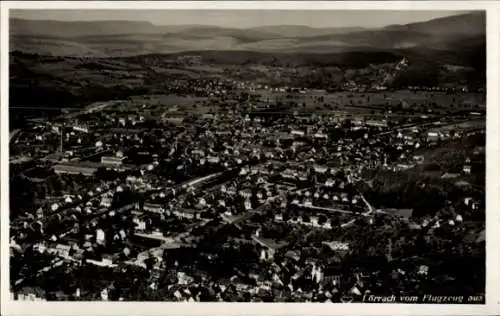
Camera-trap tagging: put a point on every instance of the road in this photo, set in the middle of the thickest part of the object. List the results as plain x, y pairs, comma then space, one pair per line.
329, 209
68, 207
13, 134
56, 262
371, 209
89, 109
425, 124
169, 242
132, 205
94, 107
199, 180
251, 213
259, 209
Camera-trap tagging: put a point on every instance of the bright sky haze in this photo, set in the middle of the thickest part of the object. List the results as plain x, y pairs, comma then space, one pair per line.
242, 18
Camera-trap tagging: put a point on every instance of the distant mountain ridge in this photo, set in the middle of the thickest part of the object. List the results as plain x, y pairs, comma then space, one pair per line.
298, 31
129, 38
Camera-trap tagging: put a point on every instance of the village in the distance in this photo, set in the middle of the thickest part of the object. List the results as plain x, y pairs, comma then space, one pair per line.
199, 177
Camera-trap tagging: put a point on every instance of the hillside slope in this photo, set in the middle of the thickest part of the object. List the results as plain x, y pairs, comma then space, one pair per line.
124, 38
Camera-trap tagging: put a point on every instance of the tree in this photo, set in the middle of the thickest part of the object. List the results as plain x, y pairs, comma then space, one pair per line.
322, 219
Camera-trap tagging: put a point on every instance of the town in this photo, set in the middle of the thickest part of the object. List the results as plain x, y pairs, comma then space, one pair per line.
192, 180
244, 204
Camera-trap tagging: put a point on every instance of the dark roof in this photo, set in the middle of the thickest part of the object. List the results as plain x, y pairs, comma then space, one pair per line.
75, 168
407, 213
270, 243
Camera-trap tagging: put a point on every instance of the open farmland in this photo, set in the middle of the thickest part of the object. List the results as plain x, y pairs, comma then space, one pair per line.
156, 102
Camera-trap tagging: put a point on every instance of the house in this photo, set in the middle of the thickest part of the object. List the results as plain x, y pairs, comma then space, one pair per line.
153, 207
468, 201
187, 213
105, 262
112, 161
375, 123
403, 166
448, 175
344, 197
106, 202
213, 159
297, 133
140, 224
355, 291
314, 221
269, 247
320, 135
419, 159
476, 205
30, 294
467, 169
481, 237
403, 213
247, 204
86, 169
100, 236
337, 245
61, 250
133, 179
432, 136
423, 270
288, 174
330, 182
320, 169
327, 225
245, 193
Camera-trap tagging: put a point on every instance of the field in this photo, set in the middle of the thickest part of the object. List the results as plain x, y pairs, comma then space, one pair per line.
170, 103
316, 101
376, 101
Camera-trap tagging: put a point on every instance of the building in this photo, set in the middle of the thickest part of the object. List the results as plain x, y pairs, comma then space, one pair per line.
61, 250
213, 159
337, 245
375, 123
187, 213
432, 136
85, 168
467, 169
30, 294
298, 133
403, 213
320, 135
320, 169
269, 247
140, 224
81, 128
104, 262
100, 236
153, 208
112, 161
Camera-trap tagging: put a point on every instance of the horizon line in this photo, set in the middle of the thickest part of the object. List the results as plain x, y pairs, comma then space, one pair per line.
145, 21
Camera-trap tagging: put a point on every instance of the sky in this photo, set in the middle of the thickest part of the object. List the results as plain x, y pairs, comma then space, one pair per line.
241, 18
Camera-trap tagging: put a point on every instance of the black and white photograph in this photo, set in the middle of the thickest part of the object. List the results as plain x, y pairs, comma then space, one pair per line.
323, 156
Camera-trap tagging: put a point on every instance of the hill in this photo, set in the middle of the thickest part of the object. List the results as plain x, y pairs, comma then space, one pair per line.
298, 31
126, 38
71, 64
464, 24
